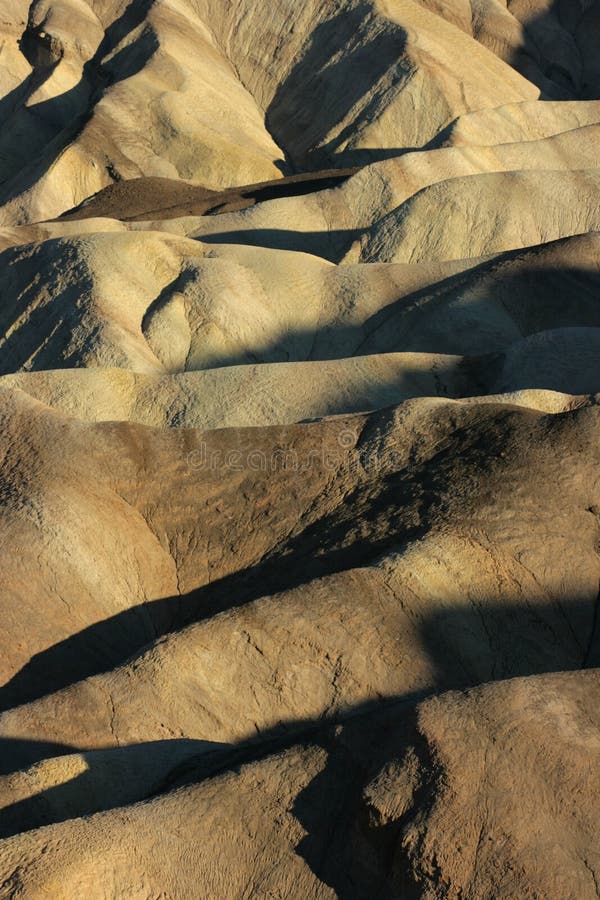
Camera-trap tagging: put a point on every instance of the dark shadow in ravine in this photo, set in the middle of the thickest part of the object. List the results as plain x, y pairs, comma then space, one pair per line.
108, 778
330, 545
559, 53
477, 314
20, 753
330, 245
335, 542
58, 319
343, 845
378, 516
535, 297
317, 95
112, 777
161, 199
12, 102
67, 113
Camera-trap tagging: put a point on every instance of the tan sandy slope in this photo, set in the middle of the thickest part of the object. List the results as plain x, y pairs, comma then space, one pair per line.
299, 449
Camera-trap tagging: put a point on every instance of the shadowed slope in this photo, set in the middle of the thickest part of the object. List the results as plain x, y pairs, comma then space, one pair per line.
299, 473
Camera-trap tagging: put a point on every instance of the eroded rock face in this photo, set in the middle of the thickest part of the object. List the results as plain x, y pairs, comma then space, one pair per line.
299, 449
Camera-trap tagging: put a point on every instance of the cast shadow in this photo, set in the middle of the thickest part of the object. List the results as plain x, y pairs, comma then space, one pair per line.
65, 116
317, 94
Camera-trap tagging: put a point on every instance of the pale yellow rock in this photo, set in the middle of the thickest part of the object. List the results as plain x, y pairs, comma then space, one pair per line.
461, 217
334, 223
526, 121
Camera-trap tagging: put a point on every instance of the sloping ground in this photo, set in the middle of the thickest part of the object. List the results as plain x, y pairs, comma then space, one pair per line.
343, 813
299, 449
147, 198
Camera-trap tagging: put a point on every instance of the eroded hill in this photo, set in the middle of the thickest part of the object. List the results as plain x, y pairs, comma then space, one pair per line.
300, 450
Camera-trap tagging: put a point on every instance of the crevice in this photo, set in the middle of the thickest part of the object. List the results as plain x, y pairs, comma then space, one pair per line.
594, 638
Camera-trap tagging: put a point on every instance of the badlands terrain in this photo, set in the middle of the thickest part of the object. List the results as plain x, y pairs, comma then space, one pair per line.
300, 449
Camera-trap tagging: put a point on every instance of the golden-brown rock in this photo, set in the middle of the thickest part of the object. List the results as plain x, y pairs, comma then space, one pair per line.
299, 449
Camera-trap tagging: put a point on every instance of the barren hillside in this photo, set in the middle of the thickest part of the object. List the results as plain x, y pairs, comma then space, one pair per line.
300, 449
